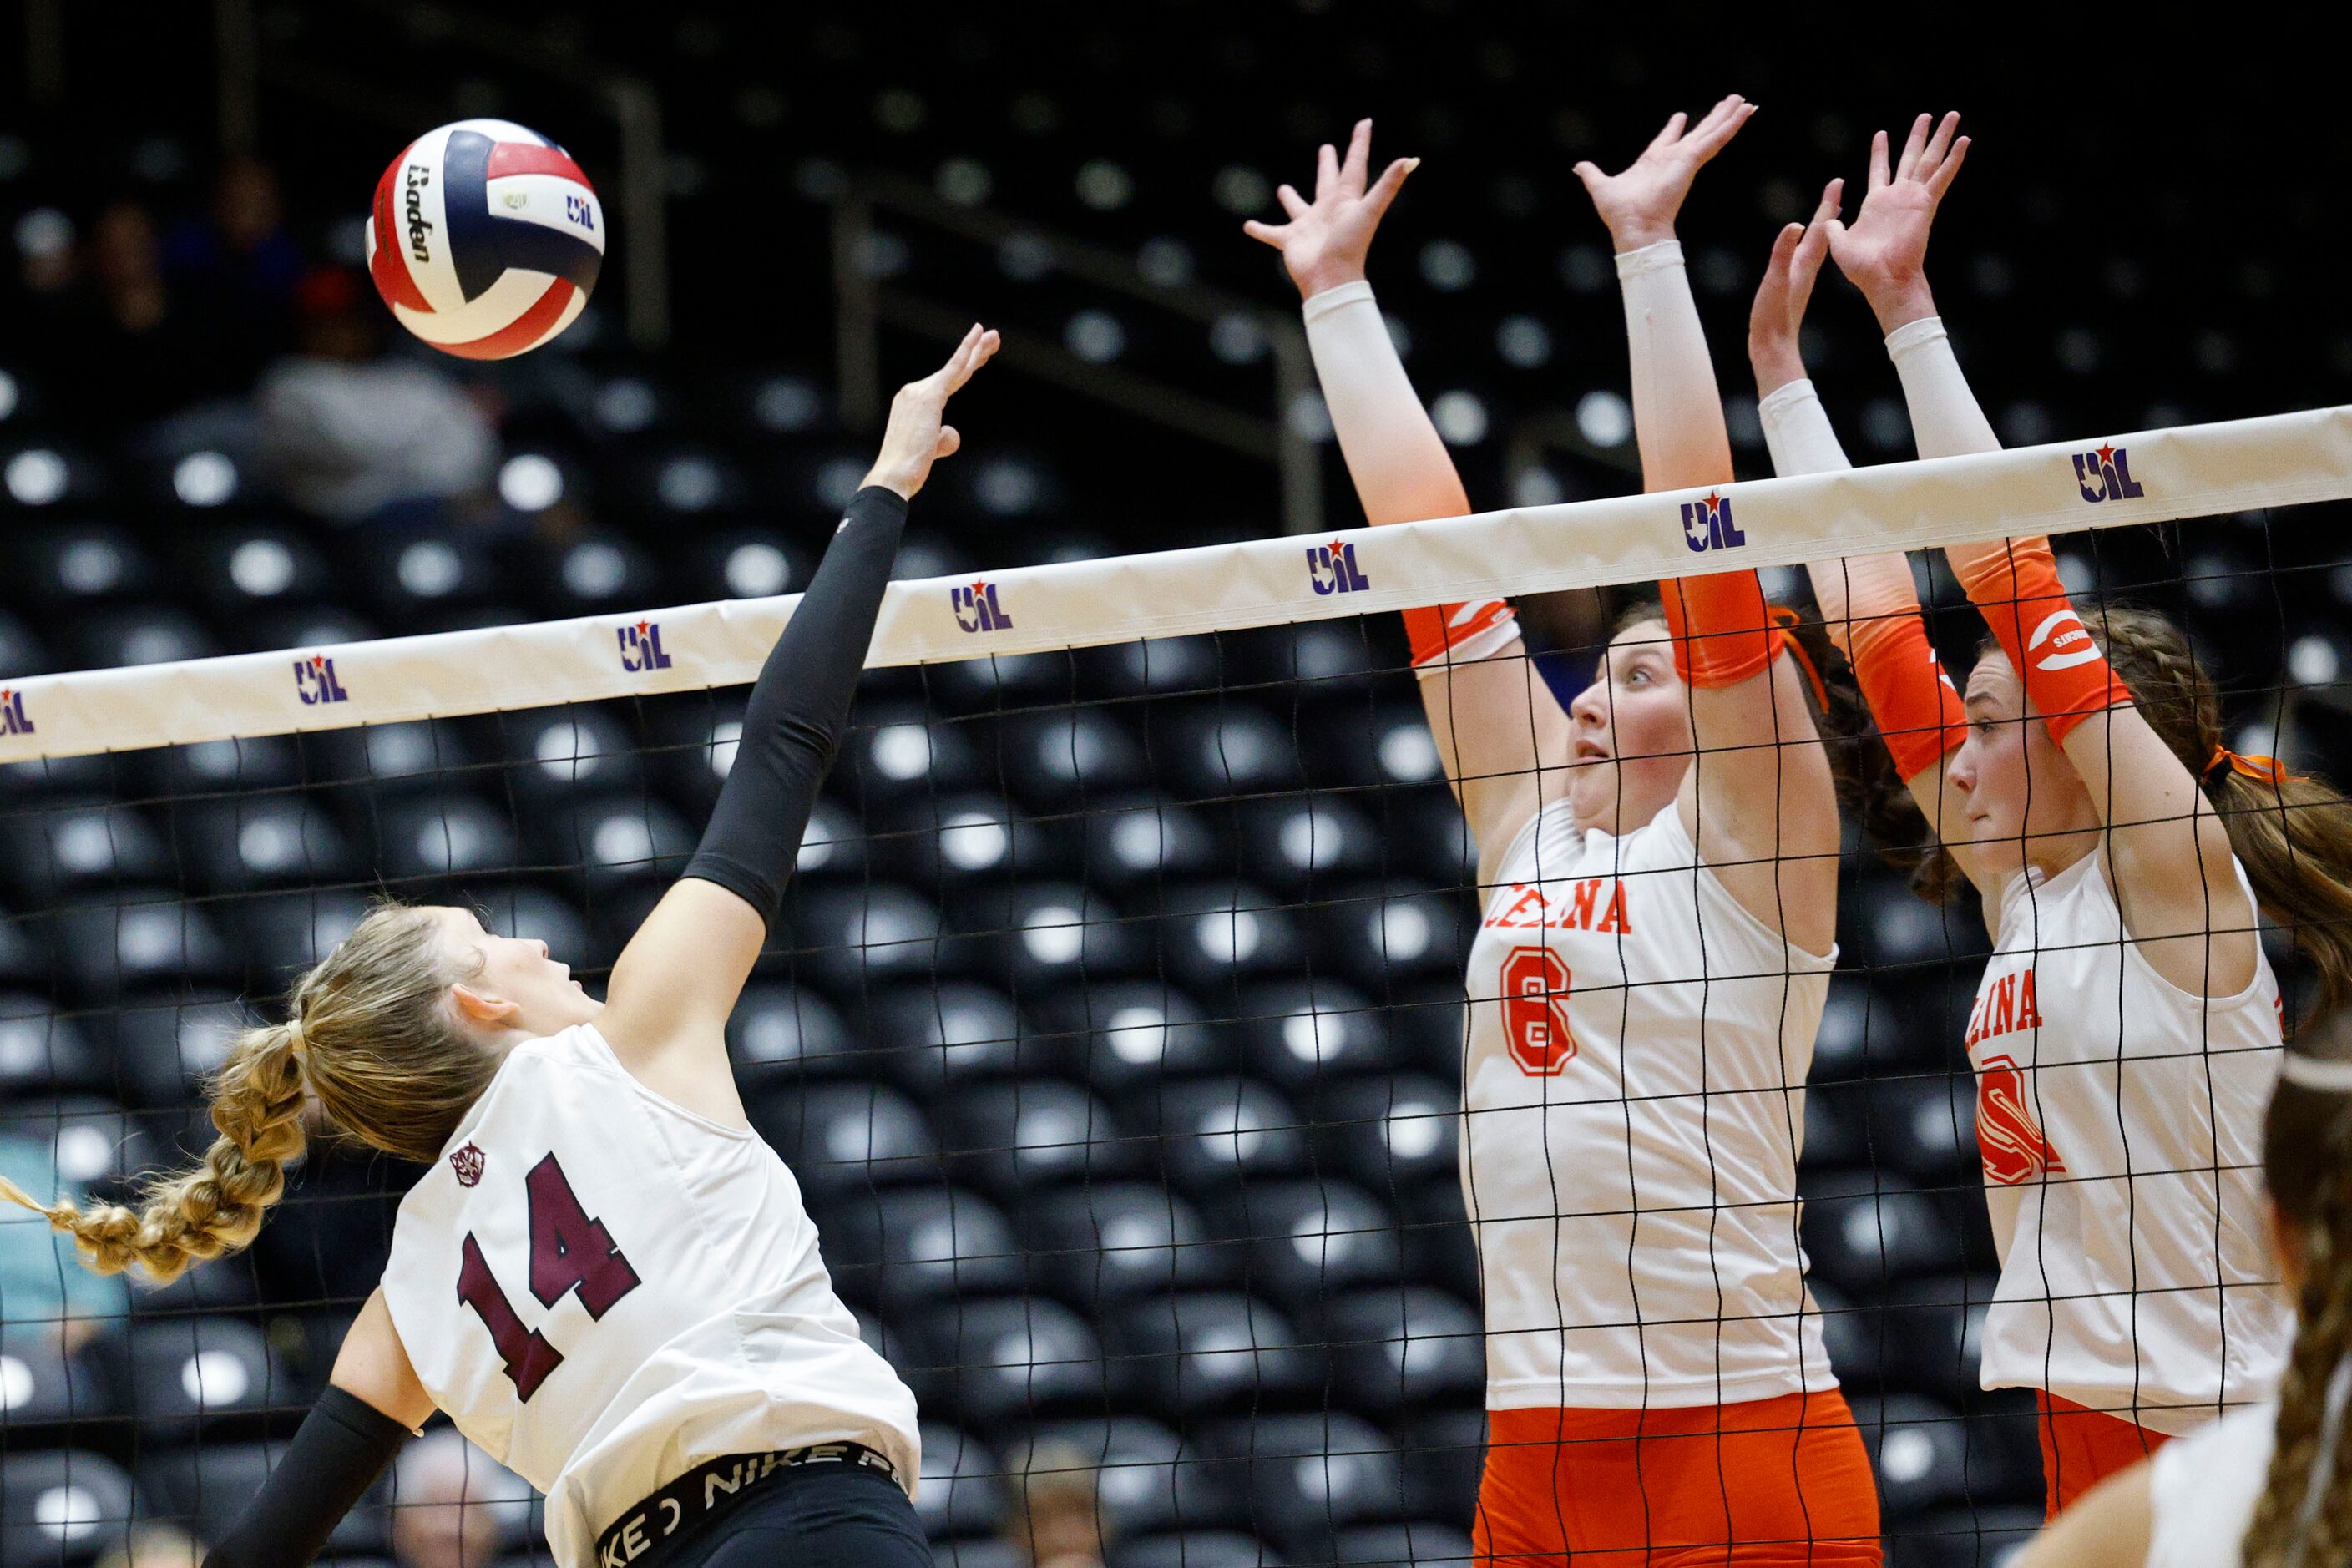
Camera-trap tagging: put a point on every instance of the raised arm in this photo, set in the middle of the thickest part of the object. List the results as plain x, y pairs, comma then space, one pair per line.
2168, 854
680, 974
1758, 800
1501, 734
1868, 602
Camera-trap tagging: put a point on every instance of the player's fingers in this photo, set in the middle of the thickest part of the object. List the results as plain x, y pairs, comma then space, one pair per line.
1292, 201
1878, 175
1384, 190
1784, 251
1327, 171
1941, 180
950, 440
1274, 234
1591, 175
1940, 143
1358, 160
1711, 138
1832, 197
1913, 145
1671, 134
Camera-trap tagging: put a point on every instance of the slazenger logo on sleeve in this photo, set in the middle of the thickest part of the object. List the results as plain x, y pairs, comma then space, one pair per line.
2069, 642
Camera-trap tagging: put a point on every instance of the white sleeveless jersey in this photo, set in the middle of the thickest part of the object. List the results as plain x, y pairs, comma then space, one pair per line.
603, 1289
2120, 1121
2203, 1490
1632, 1105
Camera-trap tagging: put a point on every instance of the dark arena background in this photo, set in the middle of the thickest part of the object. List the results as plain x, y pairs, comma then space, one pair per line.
1113, 1028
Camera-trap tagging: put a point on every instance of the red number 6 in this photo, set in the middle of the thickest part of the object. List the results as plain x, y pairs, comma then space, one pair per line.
1535, 1011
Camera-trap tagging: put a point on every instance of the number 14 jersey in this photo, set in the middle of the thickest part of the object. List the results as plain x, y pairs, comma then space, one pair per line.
603, 1290
1632, 1106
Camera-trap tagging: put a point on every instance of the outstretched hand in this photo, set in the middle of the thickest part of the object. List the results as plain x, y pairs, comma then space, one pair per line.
1639, 206
1779, 312
917, 435
1884, 253
1325, 241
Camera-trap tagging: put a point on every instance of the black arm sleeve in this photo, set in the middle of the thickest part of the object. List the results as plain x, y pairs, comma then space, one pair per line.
343, 1447
792, 727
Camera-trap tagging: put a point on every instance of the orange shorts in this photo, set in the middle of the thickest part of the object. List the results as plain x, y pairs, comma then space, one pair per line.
1765, 1482
2081, 1446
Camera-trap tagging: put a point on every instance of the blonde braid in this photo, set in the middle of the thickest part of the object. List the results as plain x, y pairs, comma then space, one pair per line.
2276, 1538
216, 1206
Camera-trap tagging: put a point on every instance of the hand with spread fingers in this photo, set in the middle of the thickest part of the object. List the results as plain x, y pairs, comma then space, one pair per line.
1639, 204
1325, 241
917, 435
1884, 253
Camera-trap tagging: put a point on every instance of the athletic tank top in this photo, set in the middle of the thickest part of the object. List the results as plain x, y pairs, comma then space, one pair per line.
2120, 1121
603, 1290
1633, 1102
2203, 1488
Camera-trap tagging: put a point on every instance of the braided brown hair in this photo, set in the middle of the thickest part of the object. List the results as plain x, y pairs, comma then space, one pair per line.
2293, 834
2307, 1163
369, 1032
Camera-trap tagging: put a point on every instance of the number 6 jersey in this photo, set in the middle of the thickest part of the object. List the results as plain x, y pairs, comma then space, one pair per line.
603, 1290
1632, 1111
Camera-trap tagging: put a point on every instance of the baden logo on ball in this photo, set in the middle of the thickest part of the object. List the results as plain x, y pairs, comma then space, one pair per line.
485, 238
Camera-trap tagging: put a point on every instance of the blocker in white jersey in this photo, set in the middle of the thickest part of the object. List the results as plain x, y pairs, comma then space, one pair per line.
603, 1290
2120, 1119
1632, 1105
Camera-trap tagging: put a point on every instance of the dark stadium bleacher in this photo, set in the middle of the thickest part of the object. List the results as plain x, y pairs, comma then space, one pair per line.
1111, 1032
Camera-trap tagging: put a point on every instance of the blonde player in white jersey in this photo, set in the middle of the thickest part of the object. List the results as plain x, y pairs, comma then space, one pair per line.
2127, 1030
1659, 860
2268, 1485
604, 1277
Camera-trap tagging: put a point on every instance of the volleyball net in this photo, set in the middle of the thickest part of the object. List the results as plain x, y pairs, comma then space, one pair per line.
1114, 1025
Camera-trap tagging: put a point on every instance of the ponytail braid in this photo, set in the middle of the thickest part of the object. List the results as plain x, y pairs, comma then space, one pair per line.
216, 1206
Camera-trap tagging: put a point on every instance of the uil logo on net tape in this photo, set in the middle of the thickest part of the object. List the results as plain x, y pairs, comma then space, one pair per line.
14, 720
976, 608
641, 647
315, 681
1707, 525
1331, 569
2103, 473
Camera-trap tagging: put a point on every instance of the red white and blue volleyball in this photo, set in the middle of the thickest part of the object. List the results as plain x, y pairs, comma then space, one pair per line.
485, 239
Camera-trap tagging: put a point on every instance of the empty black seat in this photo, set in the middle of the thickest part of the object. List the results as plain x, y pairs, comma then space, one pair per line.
244, 842
248, 567
212, 1370
1124, 1033
1109, 1242
786, 1031
1309, 1241
1862, 1237
1308, 1475
42, 1052
1301, 844
928, 1037
1222, 748
59, 851
973, 836
425, 835
613, 837
1207, 1350
1934, 1334
1404, 1350
1047, 934
600, 572
389, 759
1379, 935
41, 1383
903, 1248
1926, 1126
1062, 758
72, 566
62, 1505
414, 583
847, 1137
1984, 1537
148, 940
1209, 1134
1928, 1456
1006, 1358
1390, 1134
1420, 1543
1213, 934
898, 753
552, 753
1299, 1032
1154, 667
1146, 1477
1011, 1137
286, 932
1441, 1453
963, 1490
847, 938
115, 635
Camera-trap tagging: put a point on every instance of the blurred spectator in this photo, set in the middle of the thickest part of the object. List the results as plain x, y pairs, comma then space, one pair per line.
356, 437
155, 1546
1054, 1522
452, 1505
241, 267
124, 347
41, 1280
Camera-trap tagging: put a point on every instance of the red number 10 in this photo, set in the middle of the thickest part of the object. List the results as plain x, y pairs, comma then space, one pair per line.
569, 1251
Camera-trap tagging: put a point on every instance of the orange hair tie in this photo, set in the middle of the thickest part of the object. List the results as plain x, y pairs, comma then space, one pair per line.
1787, 619
2255, 766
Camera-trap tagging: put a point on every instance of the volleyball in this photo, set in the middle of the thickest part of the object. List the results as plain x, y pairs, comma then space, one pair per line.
485, 238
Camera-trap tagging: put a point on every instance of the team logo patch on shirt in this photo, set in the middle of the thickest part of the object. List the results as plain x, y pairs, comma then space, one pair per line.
468, 1163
